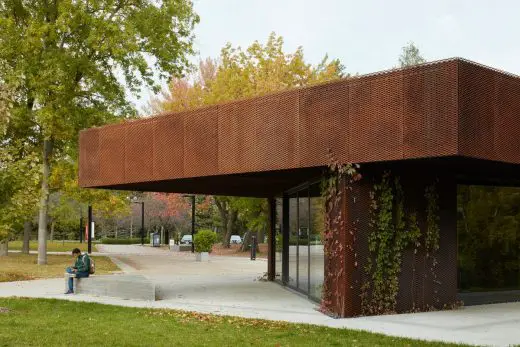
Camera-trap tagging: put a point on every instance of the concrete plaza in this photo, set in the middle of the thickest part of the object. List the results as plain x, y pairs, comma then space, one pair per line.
231, 286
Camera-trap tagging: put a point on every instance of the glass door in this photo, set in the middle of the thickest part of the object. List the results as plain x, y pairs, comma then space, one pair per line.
292, 279
303, 241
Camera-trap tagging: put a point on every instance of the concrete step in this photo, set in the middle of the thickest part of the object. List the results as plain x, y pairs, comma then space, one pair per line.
117, 286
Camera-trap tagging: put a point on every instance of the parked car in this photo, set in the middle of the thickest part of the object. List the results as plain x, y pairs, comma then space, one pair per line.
235, 239
186, 240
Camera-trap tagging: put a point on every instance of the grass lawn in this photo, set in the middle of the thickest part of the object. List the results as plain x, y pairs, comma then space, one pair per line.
42, 322
54, 246
21, 267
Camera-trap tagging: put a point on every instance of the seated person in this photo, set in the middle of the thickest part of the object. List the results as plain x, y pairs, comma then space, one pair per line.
80, 269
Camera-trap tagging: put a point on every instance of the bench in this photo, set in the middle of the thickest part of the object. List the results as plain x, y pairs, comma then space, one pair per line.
179, 248
129, 287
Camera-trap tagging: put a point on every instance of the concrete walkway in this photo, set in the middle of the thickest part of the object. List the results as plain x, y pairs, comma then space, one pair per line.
230, 285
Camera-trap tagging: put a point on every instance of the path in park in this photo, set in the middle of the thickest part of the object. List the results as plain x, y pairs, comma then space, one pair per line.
230, 285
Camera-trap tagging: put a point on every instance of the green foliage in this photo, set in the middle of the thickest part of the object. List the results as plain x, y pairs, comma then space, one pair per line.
392, 232
4, 232
410, 56
6, 103
133, 241
488, 223
63, 57
279, 242
253, 211
432, 220
71, 198
432, 232
19, 180
204, 240
63, 62
339, 179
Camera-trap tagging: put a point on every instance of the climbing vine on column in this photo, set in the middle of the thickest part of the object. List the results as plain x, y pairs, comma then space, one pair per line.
339, 178
432, 234
392, 231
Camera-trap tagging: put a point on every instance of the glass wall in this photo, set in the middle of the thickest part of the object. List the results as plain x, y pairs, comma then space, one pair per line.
488, 238
293, 240
303, 240
278, 240
304, 215
316, 251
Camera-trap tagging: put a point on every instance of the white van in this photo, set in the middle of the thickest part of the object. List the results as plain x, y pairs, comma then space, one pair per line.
235, 239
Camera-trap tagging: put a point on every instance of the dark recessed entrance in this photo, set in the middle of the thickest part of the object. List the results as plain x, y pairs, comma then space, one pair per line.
488, 227
299, 240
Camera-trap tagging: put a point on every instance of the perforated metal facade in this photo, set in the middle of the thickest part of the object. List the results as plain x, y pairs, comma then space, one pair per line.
438, 109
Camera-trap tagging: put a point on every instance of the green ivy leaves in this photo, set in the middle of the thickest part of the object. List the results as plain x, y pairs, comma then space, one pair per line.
392, 232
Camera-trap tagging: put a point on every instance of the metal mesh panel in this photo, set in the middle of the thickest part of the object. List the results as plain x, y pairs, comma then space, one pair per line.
506, 120
168, 154
324, 123
430, 111
139, 150
375, 118
476, 106
201, 142
112, 142
89, 157
259, 134
440, 109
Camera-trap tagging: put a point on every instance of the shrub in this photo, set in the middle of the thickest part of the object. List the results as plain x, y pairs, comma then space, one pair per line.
124, 241
293, 241
204, 240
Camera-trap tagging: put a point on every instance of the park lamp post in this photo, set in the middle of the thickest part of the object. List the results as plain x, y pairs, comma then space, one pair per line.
142, 217
192, 221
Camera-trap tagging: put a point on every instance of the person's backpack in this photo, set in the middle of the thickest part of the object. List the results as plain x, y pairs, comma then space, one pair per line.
92, 267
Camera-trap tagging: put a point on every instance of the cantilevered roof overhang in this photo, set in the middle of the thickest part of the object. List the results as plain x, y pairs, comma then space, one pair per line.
258, 147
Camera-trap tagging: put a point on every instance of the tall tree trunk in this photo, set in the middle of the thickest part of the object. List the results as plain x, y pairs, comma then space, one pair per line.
162, 235
3, 248
246, 241
44, 203
27, 227
231, 221
222, 209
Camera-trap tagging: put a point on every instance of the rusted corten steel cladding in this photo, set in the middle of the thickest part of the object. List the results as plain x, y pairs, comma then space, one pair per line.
447, 108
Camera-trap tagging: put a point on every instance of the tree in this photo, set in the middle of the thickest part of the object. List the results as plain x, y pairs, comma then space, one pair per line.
70, 198
258, 70
19, 179
5, 115
67, 58
410, 56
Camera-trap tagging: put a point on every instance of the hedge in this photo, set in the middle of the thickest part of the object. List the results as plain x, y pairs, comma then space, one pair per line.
124, 241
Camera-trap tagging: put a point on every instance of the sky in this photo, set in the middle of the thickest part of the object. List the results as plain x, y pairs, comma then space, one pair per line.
365, 35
